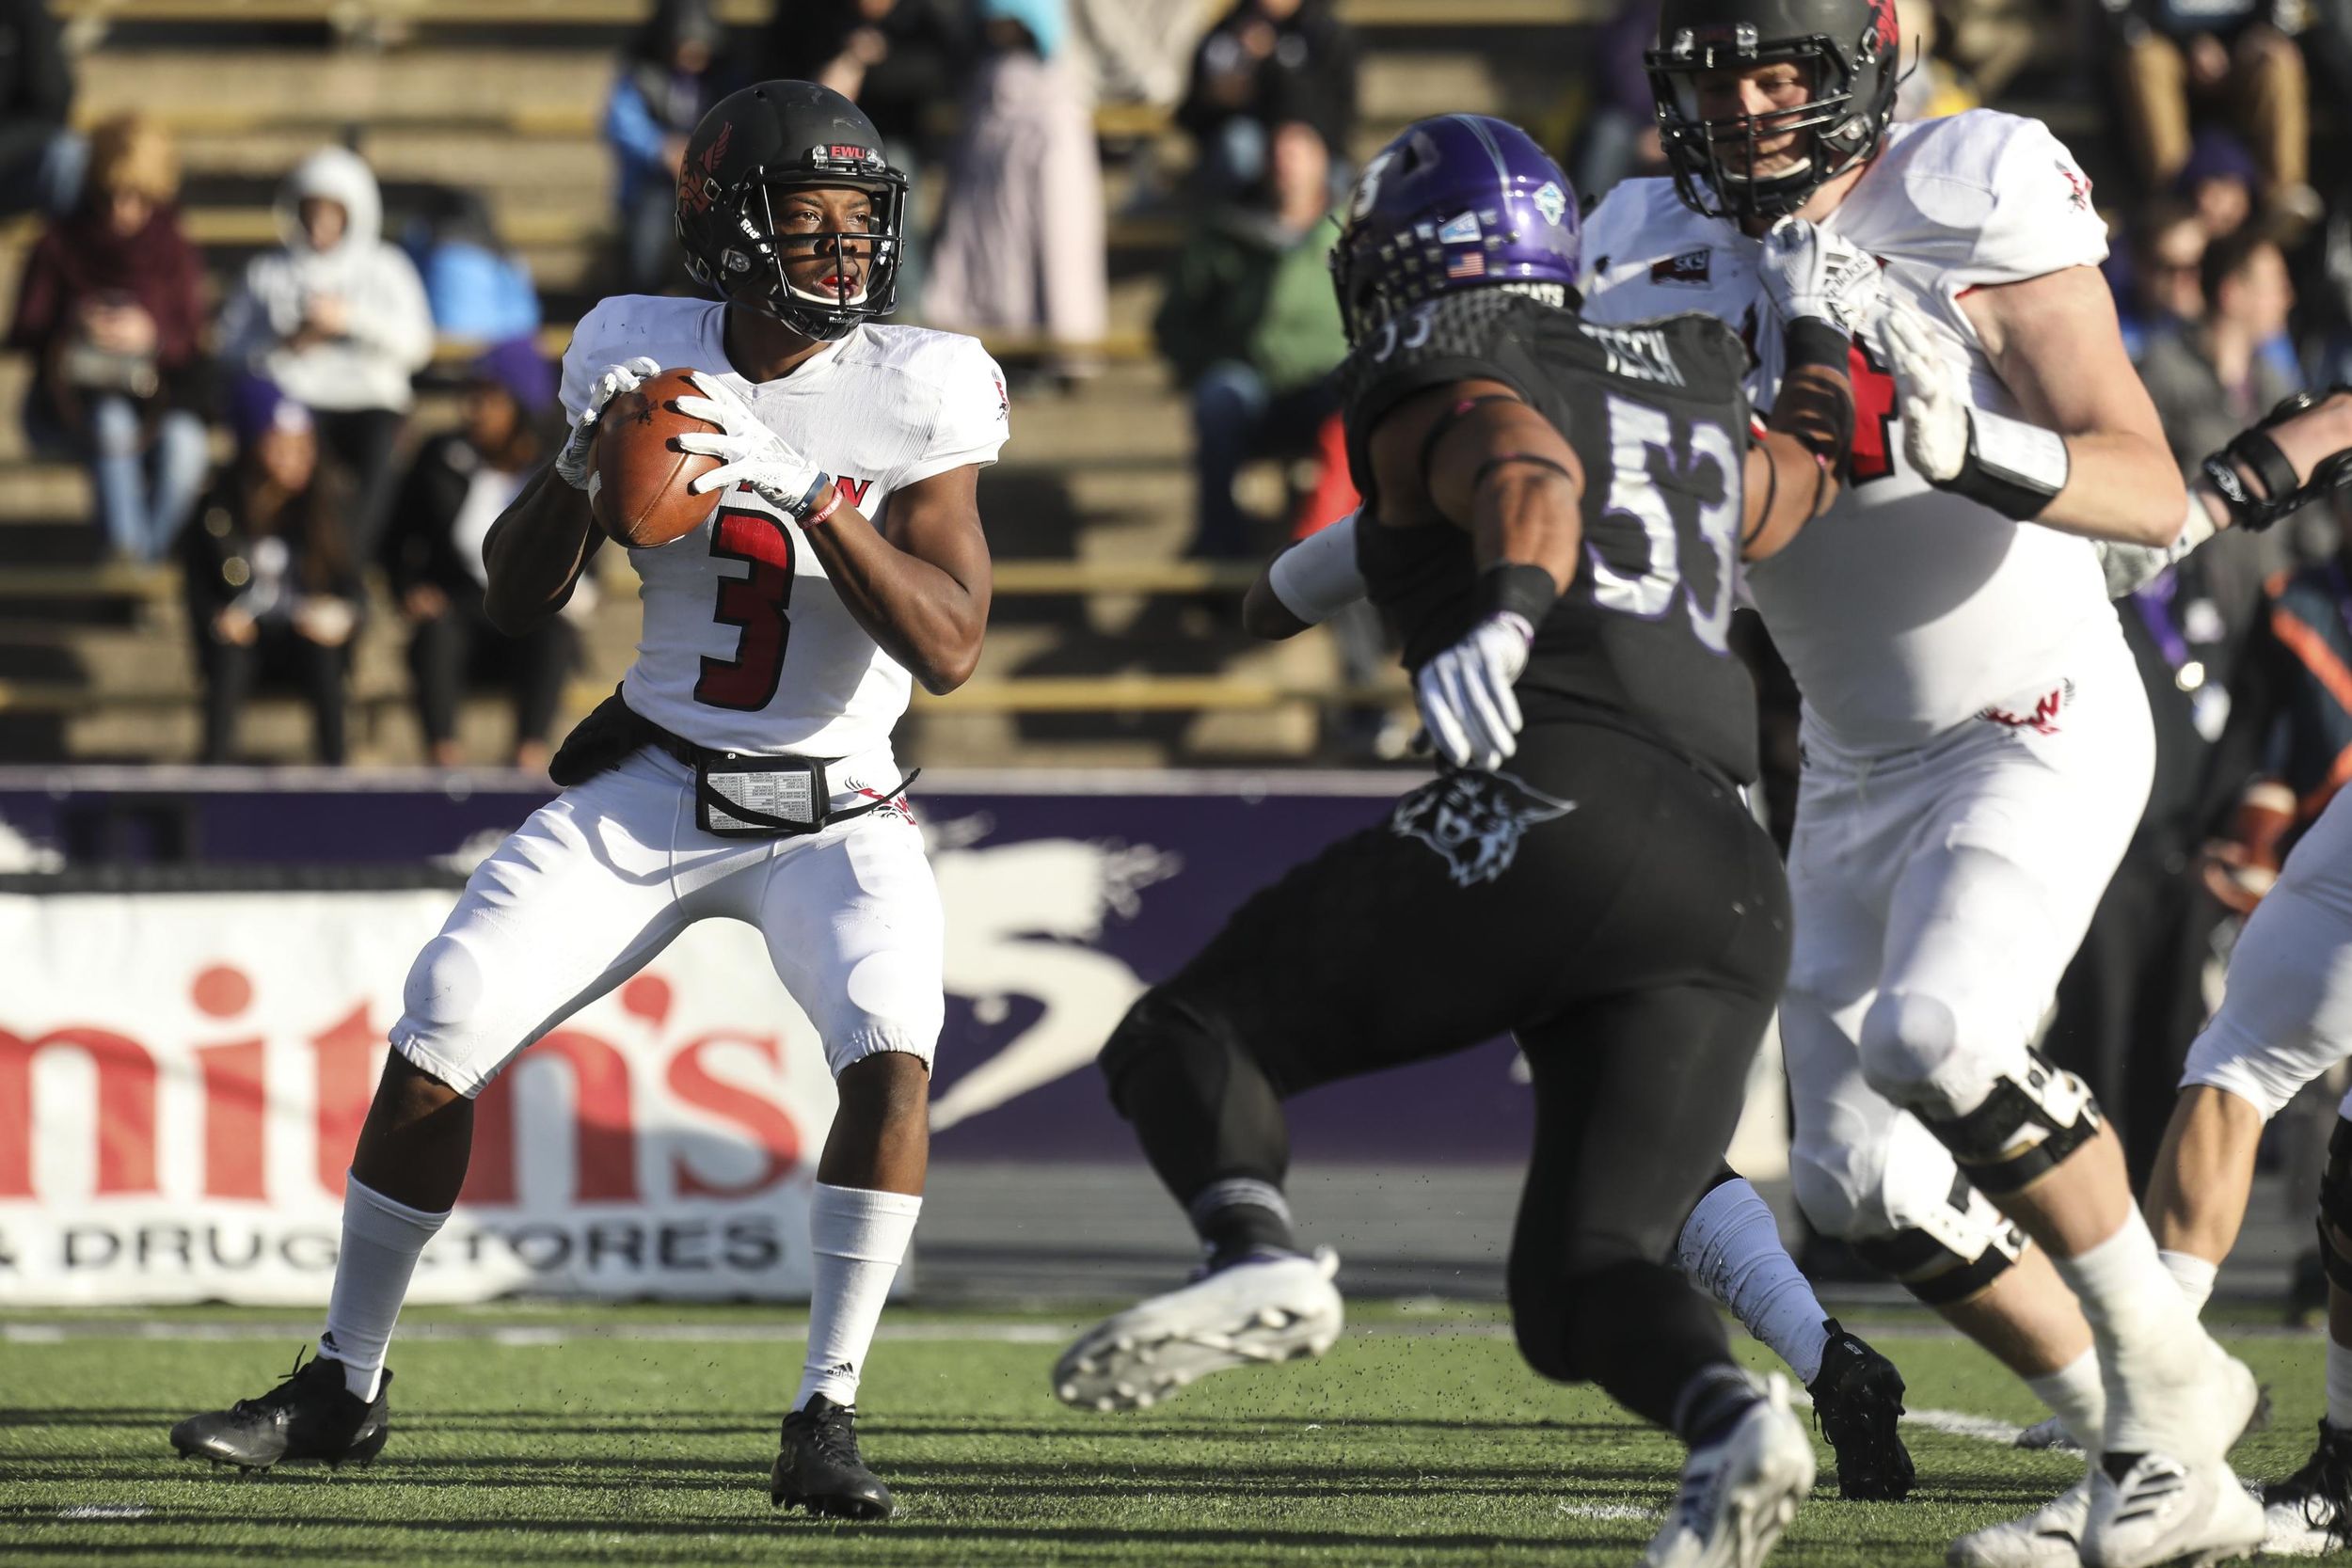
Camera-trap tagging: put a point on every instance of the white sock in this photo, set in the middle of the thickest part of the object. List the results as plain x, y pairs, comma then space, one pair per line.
2193, 1275
1730, 1246
2338, 1386
2148, 1337
2077, 1397
859, 1238
381, 1240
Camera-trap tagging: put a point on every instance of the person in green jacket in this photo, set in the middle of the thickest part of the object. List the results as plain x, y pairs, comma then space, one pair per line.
1251, 328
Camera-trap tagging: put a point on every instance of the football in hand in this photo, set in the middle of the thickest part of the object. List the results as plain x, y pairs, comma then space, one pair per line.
639, 494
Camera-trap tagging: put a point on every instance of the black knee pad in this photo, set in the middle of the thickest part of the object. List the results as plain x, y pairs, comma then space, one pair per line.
2024, 1128
1934, 1273
1956, 1252
2335, 1204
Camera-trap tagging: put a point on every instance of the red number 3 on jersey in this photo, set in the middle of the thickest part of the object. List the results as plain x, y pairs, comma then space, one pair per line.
756, 604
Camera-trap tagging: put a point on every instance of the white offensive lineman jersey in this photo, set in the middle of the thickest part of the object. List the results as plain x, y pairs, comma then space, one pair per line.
745, 644
1903, 611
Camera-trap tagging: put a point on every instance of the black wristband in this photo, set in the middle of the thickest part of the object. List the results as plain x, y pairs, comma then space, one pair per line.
2015, 467
1514, 588
1812, 341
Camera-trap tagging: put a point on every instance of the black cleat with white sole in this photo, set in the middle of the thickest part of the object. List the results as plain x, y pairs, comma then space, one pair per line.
819, 1467
1857, 1401
311, 1415
2311, 1511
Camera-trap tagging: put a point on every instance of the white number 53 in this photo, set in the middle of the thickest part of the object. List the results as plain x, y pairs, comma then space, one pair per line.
1636, 431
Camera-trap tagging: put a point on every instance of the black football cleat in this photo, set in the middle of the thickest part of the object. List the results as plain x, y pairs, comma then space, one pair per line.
2311, 1511
310, 1416
1857, 1402
818, 1468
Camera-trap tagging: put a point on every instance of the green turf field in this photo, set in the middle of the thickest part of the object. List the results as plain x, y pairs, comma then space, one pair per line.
1420, 1439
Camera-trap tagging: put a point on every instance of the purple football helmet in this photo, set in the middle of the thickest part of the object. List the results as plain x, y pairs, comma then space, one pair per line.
1458, 201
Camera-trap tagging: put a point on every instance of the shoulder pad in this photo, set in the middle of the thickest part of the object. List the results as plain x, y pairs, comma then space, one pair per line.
1636, 214
1980, 197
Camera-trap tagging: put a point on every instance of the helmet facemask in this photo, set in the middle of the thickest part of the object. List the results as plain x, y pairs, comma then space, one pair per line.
1714, 159
756, 258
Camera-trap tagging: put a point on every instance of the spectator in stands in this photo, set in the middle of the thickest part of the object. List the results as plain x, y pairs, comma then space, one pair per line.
1265, 61
1618, 135
673, 72
338, 318
472, 285
272, 583
457, 487
40, 158
895, 59
2212, 378
110, 309
2219, 182
1251, 328
1021, 243
2236, 56
1136, 51
2155, 276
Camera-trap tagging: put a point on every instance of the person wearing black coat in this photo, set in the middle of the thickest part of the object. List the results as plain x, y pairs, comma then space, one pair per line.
271, 587
40, 158
455, 489
1264, 62
899, 60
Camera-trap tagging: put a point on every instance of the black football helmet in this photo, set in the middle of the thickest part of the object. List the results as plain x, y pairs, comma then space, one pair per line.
785, 136
1854, 48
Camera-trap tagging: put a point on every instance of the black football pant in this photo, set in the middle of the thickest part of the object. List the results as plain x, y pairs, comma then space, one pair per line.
1617, 909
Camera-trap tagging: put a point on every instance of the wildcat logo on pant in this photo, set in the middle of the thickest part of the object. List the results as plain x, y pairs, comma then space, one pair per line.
1475, 821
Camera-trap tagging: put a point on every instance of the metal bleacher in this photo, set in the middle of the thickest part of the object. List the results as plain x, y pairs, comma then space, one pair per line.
1105, 646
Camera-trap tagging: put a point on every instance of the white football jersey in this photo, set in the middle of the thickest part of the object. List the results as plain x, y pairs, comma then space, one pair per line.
1905, 610
745, 644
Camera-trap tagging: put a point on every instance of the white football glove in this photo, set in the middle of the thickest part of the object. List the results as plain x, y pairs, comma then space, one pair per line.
1811, 271
1466, 704
748, 452
573, 464
1930, 397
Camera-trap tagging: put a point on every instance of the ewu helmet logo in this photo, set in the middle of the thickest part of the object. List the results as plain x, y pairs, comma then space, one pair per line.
698, 184
1886, 29
1475, 821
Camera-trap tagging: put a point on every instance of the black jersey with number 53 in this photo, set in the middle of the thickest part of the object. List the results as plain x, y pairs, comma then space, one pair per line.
1656, 413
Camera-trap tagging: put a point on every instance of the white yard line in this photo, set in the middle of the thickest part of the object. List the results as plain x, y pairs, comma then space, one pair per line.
1605, 1511
1955, 1423
1959, 1423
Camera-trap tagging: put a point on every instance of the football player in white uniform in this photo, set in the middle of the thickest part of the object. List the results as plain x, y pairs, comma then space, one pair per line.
744, 768
1977, 743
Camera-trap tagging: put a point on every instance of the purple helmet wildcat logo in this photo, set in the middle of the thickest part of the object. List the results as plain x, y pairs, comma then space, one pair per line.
1459, 202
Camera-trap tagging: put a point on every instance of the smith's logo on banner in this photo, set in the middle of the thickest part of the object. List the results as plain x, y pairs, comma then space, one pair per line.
182, 1079
231, 1138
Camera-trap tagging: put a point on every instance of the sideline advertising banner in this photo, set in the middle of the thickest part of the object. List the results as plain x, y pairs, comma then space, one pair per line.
185, 1059
183, 1077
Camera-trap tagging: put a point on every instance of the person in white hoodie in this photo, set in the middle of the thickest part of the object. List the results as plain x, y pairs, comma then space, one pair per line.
338, 318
